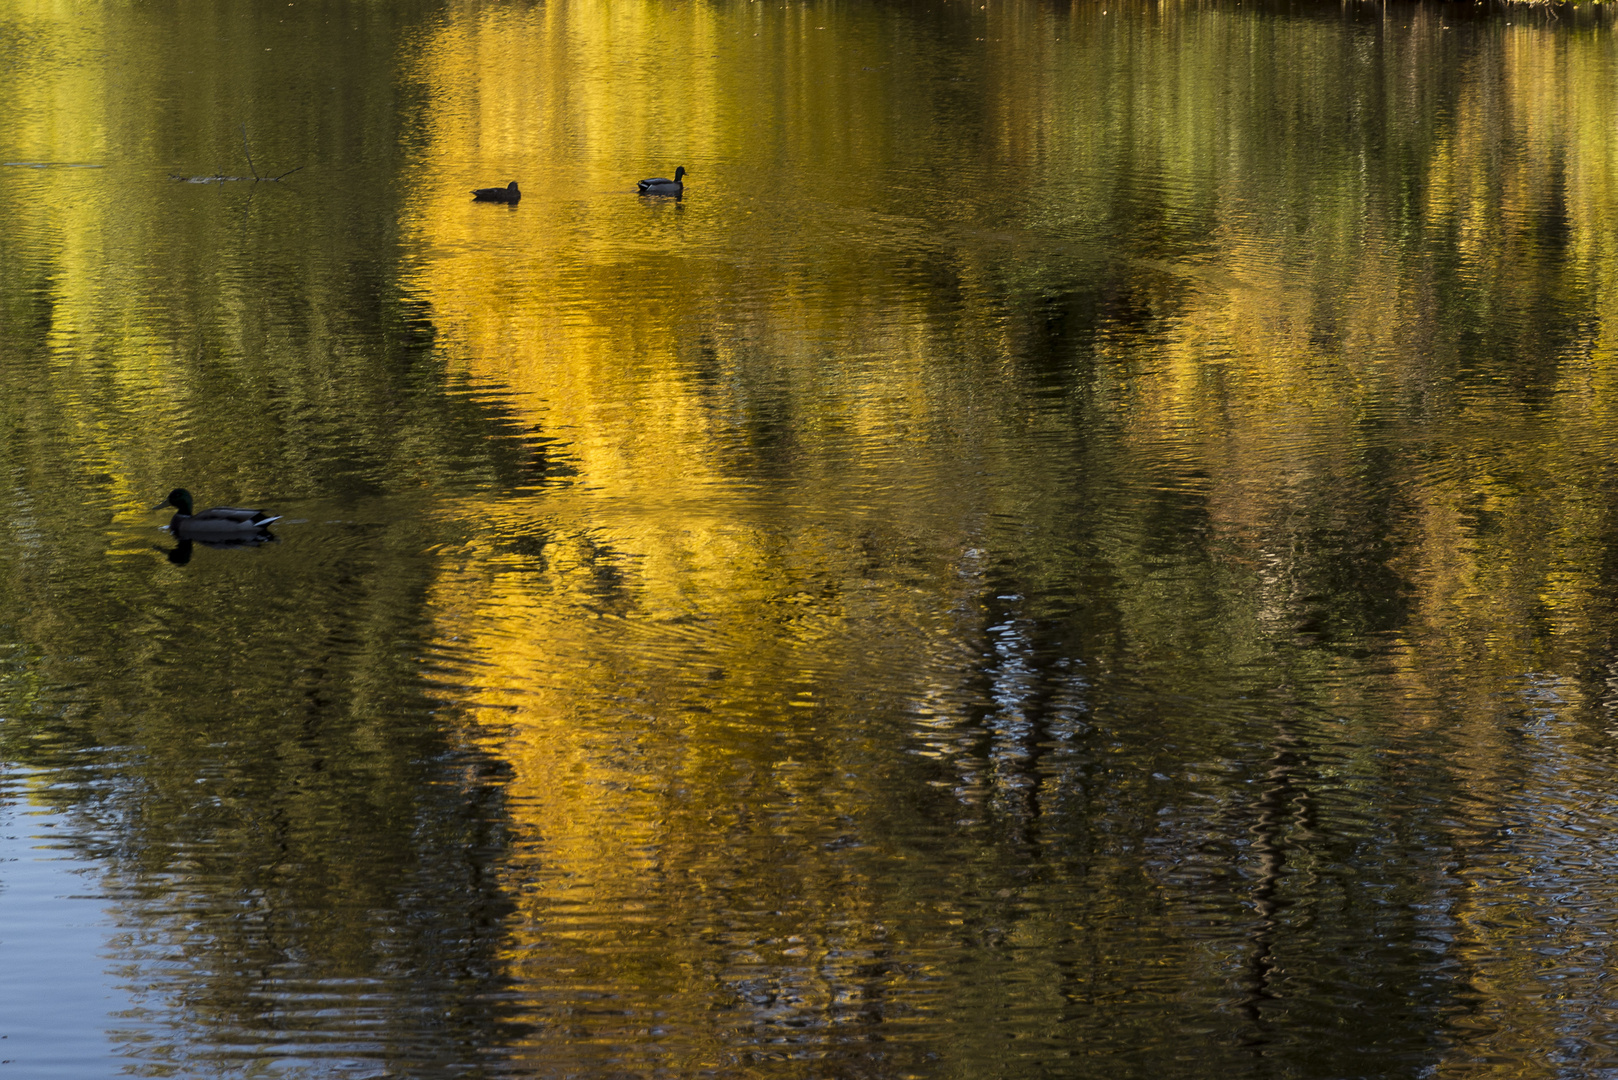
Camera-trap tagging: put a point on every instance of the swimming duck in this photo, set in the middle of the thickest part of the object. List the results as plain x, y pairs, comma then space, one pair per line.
509, 193
222, 522
659, 185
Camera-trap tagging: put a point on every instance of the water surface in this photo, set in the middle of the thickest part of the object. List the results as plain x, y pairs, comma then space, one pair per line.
1082, 545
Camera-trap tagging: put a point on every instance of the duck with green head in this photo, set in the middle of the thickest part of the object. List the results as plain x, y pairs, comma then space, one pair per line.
222, 522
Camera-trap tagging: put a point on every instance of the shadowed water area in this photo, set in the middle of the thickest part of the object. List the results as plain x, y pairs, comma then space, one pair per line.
1083, 545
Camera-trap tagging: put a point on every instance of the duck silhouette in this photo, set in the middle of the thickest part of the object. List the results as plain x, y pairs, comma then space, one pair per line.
507, 194
227, 524
662, 185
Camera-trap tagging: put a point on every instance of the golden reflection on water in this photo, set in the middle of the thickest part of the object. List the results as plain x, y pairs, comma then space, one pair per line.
696, 574
996, 550
606, 313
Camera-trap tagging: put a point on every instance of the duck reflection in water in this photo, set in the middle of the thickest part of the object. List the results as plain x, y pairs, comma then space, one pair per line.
180, 553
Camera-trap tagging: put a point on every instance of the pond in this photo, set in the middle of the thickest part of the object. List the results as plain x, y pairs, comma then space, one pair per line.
1084, 542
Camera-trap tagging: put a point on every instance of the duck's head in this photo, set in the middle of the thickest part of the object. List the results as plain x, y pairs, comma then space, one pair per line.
679, 171
180, 499
512, 188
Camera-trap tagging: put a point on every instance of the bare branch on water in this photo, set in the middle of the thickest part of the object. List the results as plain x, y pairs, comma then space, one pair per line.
249, 154
220, 178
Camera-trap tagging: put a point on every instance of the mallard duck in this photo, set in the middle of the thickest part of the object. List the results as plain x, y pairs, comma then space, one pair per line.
222, 522
659, 185
509, 193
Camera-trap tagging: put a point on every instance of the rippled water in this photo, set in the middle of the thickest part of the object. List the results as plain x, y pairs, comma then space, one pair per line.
1082, 545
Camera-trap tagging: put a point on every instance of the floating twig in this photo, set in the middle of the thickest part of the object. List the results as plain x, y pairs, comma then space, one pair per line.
220, 178
249, 154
